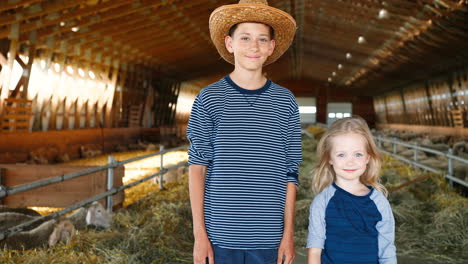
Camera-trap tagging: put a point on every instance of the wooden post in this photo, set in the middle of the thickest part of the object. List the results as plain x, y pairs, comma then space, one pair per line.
7, 71
56, 103
2, 172
123, 79
110, 95
27, 71
405, 118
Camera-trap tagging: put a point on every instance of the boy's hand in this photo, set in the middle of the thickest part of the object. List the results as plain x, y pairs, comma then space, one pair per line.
201, 250
286, 250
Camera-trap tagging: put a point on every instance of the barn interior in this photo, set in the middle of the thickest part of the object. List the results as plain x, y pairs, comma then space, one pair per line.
120, 68
96, 75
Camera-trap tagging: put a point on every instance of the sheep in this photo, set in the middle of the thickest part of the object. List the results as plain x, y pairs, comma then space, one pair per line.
147, 146
20, 210
89, 152
409, 153
94, 215
48, 233
62, 157
11, 219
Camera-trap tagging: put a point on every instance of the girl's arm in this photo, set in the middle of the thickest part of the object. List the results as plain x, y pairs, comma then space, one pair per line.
386, 229
313, 256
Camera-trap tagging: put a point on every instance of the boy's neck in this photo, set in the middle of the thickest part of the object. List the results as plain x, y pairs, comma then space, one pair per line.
250, 80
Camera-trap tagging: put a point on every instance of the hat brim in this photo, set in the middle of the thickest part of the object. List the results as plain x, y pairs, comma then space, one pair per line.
224, 17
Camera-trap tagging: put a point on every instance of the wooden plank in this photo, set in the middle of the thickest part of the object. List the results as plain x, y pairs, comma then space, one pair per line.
110, 96
61, 194
77, 13
17, 100
43, 8
7, 71
17, 109
436, 130
32, 55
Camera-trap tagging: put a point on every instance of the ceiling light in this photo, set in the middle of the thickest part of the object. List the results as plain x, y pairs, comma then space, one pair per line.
92, 75
62, 23
70, 69
383, 14
361, 40
340, 66
348, 56
334, 73
81, 72
329, 79
75, 29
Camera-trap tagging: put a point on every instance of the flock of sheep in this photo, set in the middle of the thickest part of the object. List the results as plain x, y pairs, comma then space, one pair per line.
52, 231
458, 144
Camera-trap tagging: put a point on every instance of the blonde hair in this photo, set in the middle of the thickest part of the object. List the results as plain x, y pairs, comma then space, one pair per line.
324, 175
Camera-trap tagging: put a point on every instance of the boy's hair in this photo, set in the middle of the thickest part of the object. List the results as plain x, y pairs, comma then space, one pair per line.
324, 175
234, 27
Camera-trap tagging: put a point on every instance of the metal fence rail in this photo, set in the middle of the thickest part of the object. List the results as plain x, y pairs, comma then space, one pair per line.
449, 174
111, 190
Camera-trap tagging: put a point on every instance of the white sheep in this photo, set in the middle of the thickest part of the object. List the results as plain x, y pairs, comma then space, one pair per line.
94, 215
48, 233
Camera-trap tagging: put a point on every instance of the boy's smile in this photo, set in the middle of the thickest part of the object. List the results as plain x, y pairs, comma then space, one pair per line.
251, 45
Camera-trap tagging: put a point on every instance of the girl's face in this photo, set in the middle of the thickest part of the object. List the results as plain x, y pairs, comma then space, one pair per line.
348, 157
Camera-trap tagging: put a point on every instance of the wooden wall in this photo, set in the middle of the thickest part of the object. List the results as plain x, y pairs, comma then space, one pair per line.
17, 147
67, 93
62, 194
441, 101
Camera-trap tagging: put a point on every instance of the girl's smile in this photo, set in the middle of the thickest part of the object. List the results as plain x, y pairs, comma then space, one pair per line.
349, 158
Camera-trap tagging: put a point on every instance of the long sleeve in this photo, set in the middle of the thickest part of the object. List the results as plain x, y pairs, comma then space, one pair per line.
386, 229
199, 134
294, 145
317, 225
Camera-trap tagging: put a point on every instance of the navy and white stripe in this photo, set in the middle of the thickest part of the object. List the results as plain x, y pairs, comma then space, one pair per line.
251, 142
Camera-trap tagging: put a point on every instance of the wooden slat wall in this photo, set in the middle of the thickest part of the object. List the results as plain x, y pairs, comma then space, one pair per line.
61, 194
439, 102
16, 115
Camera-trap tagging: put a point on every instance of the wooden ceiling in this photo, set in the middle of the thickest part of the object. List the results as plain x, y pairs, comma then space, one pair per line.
409, 41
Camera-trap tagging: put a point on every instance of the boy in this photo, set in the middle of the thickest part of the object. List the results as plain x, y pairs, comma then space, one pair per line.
245, 148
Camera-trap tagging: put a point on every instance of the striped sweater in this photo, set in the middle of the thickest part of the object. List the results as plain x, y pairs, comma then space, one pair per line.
250, 141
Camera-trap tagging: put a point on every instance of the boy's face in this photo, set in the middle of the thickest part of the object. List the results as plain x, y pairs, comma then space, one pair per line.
251, 45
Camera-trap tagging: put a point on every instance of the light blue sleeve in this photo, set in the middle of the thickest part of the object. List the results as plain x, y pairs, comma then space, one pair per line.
199, 133
386, 229
317, 226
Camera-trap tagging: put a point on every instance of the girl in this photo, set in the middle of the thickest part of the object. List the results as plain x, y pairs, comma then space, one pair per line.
350, 219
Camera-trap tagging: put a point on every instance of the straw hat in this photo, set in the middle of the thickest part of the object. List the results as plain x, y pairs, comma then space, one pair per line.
226, 16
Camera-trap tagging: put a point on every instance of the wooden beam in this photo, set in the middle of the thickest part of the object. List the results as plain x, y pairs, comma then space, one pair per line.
7, 71
73, 14
131, 22
9, 5
121, 11
38, 9
108, 119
